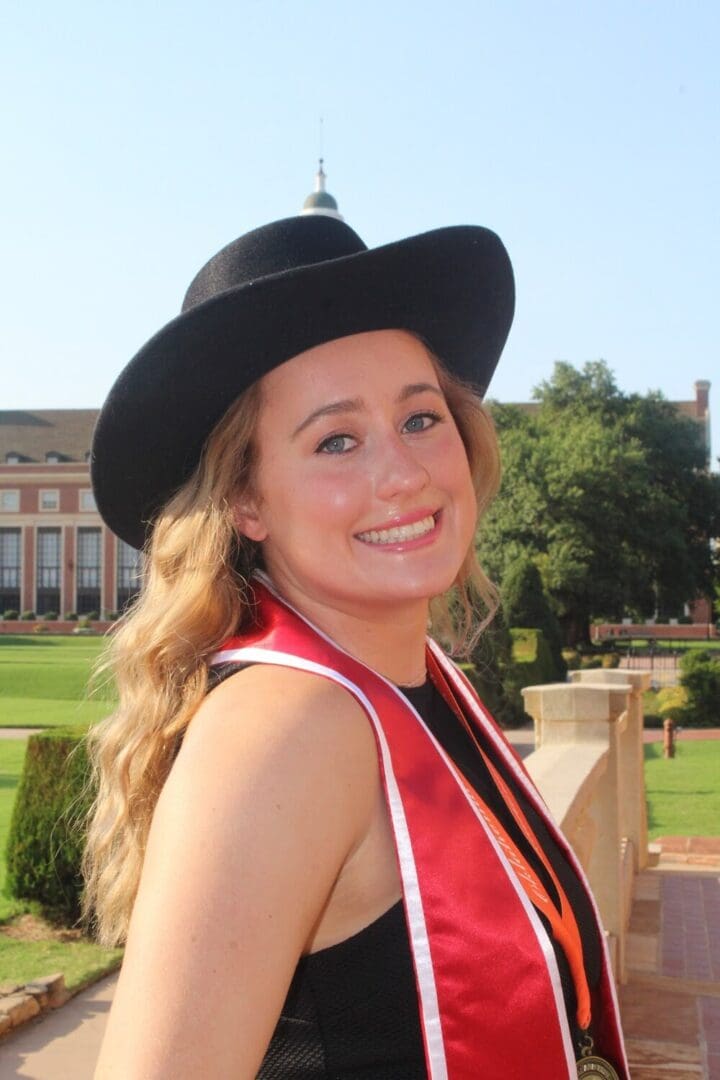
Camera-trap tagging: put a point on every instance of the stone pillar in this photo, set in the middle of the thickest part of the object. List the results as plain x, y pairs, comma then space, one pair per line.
631, 760
578, 727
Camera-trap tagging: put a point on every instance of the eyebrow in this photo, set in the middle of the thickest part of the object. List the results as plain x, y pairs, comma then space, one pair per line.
354, 405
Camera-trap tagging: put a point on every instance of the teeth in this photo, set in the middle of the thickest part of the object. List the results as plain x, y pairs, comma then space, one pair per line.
399, 533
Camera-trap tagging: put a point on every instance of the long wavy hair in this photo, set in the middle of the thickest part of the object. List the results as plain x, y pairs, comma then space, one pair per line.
196, 593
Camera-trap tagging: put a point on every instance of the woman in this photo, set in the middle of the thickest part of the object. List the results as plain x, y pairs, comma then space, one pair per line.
345, 872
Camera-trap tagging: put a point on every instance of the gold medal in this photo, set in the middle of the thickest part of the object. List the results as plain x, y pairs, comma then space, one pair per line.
593, 1067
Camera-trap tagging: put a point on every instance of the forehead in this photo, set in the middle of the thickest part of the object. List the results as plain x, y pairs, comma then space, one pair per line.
380, 362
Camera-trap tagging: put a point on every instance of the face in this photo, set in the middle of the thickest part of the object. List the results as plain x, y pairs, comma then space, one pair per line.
363, 499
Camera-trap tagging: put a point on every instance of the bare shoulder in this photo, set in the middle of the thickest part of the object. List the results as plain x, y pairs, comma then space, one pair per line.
281, 717
280, 747
271, 793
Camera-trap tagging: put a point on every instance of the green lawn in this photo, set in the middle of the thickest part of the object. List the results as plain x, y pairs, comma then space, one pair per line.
49, 712
43, 681
683, 793
81, 962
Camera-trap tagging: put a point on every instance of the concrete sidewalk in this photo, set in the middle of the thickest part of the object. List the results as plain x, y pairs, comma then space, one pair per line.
63, 1045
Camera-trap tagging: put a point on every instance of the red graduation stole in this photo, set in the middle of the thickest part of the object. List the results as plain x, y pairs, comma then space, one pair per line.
489, 992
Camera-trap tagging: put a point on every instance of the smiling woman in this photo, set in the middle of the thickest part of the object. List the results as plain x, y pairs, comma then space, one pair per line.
365, 506
323, 839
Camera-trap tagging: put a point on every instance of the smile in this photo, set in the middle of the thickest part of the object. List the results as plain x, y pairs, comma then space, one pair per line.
399, 534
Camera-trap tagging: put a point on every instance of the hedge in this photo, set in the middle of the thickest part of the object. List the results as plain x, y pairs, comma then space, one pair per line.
526, 603
47, 831
700, 679
533, 662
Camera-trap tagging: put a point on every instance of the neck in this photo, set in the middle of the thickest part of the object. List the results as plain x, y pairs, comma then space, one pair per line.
391, 641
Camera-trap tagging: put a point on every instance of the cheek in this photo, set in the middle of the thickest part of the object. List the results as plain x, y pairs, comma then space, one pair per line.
300, 497
458, 478
453, 465
336, 490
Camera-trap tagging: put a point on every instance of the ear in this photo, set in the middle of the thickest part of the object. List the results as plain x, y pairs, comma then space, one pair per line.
248, 520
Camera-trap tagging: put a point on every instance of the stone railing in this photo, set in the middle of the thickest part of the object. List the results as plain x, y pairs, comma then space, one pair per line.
588, 765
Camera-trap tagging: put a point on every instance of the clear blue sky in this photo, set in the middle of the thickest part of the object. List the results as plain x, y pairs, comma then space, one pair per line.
140, 137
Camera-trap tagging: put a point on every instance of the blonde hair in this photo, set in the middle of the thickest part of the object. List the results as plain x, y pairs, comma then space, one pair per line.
195, 594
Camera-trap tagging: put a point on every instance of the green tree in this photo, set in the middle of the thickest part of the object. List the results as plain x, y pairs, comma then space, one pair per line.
608, 494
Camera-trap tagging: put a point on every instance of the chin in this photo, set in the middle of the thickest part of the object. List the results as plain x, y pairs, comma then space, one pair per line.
421, 588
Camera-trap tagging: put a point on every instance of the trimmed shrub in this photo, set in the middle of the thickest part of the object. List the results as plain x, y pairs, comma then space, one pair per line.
672, 703
71, 616
10, 615
525, 603
92, 616
28, 615
47, 830
700, 678
490, 673
533, 663
50, 616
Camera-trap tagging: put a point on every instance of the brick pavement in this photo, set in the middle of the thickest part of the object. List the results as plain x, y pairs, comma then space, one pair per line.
671, 1002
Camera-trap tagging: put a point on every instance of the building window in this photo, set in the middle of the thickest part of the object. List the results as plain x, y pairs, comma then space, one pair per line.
129, 571
49, 500
48, 571
9, 500
87, 500
88, 571
9, 570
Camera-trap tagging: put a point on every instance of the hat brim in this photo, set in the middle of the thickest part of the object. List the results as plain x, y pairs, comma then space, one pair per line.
454, 287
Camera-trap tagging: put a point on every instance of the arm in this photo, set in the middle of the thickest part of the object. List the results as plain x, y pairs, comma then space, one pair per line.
271, 793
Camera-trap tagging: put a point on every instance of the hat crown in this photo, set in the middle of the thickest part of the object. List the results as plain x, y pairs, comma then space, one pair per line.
272, 249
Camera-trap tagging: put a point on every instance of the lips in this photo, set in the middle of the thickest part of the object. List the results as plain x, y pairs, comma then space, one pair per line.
399, 534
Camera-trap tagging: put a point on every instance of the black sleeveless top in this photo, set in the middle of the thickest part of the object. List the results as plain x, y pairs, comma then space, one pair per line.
351, 1012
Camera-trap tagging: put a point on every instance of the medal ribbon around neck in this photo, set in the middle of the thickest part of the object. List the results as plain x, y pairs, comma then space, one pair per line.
563, 923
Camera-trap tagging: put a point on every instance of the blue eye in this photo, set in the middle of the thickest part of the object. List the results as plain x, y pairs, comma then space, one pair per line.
421, 421
336, 444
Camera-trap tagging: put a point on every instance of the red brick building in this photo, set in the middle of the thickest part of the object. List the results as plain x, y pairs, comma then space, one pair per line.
56, 555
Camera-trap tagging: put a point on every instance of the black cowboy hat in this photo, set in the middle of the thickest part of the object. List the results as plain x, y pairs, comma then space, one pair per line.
271, 294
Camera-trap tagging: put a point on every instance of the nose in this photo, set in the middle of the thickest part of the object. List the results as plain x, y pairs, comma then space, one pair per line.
399, 470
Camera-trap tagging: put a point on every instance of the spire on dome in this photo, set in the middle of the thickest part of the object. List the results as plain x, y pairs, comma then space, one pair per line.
320, 201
